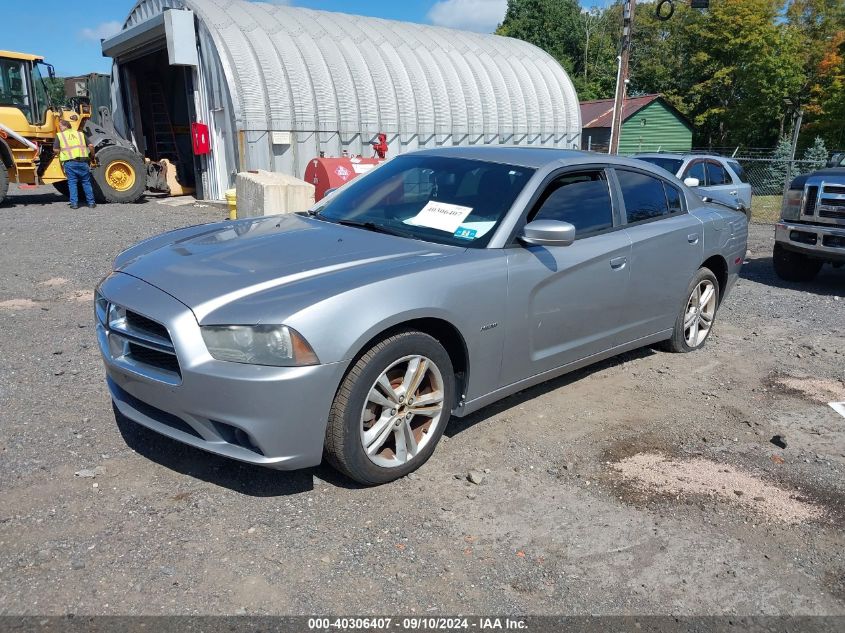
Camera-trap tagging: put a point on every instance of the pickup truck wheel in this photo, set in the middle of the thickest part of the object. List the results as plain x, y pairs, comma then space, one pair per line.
4, 182
695, 322
391, 409
792, 266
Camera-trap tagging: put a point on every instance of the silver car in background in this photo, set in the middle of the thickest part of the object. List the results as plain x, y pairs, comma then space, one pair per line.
437, 284
715, 176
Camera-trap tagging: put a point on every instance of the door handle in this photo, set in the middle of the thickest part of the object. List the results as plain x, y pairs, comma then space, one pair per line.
692, 238
618, 263
733, 193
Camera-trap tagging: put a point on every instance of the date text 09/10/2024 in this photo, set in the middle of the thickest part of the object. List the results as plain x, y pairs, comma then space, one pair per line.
416, 624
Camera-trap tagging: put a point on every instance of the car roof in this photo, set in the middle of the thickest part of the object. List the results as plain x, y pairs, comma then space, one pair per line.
525, 156
680, 155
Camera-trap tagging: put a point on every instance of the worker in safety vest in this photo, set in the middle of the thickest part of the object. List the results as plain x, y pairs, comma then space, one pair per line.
74, 155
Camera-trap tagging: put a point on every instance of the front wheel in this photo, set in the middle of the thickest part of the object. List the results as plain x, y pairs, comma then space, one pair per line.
4, 182
120, 175
792, 266
391, 409
694, 323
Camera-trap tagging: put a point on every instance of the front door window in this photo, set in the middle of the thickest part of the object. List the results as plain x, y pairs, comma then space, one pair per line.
13, 87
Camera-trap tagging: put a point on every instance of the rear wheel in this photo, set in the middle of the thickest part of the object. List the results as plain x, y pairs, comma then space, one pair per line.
120, 175
4, 182
792, 266
694, 323
391, 409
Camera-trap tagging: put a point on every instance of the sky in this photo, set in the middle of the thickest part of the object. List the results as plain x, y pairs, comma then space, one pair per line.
70, 39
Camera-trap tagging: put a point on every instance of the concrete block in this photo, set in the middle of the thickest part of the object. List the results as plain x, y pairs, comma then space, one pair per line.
269, 193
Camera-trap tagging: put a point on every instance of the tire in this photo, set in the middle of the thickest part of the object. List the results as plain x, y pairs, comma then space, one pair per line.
792, 266
120, 175
703, 319
63, 188
4, 182
360, 406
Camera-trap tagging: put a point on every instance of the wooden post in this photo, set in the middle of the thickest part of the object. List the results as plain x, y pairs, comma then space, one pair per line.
628, 8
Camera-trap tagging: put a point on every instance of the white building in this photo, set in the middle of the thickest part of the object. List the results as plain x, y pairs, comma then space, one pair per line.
277, 85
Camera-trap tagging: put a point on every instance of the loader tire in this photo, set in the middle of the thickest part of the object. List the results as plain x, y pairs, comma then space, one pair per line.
120, 175
4, 182
62, 187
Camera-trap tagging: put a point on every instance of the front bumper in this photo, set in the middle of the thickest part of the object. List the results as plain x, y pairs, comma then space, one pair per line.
821, 242
269, 416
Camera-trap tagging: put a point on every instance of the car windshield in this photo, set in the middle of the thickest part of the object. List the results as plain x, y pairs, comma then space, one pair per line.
445, 200
672, 165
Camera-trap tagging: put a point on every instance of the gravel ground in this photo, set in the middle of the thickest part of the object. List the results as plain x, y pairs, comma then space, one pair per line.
104, 517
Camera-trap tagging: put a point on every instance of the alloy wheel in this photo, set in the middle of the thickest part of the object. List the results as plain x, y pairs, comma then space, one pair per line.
402, 410
700, 312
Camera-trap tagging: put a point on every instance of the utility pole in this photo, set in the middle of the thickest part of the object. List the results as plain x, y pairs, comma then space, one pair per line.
797, 118
628, 7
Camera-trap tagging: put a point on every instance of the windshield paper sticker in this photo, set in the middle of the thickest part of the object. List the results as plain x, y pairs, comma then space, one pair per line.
441, 216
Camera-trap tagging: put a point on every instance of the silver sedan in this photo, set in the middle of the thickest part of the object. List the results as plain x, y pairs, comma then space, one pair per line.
437, 284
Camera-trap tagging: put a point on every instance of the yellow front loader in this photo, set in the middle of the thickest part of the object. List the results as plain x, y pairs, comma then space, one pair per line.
29, 123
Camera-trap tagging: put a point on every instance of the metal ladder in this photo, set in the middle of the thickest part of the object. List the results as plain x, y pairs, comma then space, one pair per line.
164, 139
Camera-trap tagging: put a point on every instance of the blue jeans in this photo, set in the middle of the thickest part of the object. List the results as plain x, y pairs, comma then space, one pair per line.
78, 173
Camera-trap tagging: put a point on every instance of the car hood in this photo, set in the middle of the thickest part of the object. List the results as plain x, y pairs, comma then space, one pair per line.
218, 264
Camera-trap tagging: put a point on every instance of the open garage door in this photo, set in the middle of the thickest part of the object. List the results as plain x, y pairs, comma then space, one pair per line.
156, 64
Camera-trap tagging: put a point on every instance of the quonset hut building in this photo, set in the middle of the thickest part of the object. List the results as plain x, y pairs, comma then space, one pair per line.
277, 85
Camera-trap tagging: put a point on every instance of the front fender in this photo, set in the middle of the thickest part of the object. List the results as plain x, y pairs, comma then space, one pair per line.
470, 295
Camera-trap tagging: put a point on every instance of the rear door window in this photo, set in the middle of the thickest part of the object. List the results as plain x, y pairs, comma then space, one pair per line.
716, 175
673, 198
644, 196
582, 199
738, 170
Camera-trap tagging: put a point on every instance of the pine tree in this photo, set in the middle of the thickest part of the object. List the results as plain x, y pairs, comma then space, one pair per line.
815, 156
779, 169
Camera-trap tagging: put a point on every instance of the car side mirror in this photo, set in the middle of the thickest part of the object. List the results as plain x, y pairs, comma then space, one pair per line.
548, 233
692, 182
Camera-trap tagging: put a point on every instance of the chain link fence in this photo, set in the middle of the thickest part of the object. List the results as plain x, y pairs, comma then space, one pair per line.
769, 178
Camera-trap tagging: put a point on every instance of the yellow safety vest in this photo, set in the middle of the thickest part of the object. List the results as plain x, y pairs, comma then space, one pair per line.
72, 145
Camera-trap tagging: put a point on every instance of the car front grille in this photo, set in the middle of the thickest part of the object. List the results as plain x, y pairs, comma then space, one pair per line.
823, 202
142, 324
810, 200
154, 358
140, 342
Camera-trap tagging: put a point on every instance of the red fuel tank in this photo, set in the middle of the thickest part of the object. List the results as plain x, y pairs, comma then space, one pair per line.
331, 173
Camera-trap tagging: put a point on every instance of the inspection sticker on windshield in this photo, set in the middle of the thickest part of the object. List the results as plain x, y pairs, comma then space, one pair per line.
441, 216
466, 234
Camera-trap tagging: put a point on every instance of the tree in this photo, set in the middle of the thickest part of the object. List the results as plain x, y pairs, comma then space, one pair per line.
561, 29
816, 155
56, 90
779, 169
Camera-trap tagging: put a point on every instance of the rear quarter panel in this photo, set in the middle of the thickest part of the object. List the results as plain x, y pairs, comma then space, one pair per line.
725, 235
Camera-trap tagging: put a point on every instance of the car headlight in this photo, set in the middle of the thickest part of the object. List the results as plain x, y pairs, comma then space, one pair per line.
274, 345
101, 307
792, 204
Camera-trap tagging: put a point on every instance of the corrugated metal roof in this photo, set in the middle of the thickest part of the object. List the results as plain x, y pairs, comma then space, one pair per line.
599, 113
290, 68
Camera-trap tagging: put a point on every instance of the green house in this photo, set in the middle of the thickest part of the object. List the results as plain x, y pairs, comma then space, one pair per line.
649, 124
